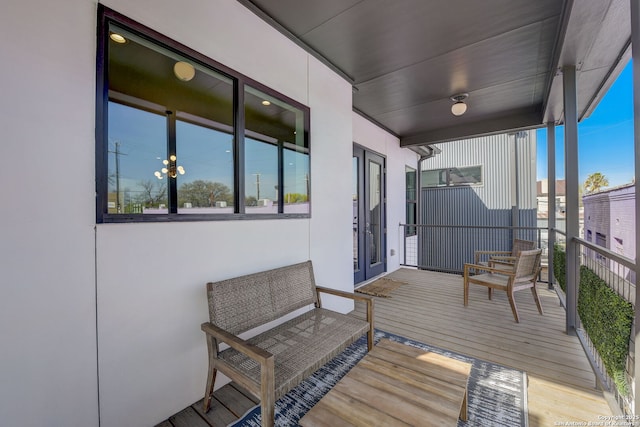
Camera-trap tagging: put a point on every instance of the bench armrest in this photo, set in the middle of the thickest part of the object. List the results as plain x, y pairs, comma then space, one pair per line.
265, 389
356, 297
351, 295
236, 343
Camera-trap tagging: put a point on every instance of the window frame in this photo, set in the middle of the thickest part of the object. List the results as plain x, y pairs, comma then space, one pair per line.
447, 171
107, 16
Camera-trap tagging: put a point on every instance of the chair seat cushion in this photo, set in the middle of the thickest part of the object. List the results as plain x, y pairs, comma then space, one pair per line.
300, 346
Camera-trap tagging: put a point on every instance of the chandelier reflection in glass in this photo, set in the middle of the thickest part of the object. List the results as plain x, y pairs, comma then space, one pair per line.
170, 169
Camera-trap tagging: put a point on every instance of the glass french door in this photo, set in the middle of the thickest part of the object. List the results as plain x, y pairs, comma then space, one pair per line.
369, 230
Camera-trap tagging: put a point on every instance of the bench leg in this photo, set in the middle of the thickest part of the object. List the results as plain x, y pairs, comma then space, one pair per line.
208, 392
463, 410
267, 393
370, 334
211, 375
267, 414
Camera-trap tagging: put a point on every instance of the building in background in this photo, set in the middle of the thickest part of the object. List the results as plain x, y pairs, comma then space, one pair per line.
486, 183
542, 198
609, 221
542, 202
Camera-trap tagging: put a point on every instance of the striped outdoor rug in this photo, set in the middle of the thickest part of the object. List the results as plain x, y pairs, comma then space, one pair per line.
496, 395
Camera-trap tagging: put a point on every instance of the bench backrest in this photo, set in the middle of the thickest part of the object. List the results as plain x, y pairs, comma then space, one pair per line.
244, 302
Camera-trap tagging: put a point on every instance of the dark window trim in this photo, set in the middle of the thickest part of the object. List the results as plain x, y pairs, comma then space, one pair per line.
447, 172
108, 16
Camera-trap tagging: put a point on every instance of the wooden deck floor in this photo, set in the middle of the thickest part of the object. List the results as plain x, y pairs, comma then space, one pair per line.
429, 309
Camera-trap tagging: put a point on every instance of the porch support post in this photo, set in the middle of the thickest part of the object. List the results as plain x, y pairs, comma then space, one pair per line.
515, 205
551, 198
572, 206
635, 49
419, 213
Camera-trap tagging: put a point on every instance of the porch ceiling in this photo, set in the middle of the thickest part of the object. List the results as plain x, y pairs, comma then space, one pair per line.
405, 59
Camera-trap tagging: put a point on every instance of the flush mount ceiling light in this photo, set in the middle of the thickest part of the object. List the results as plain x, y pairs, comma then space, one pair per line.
117, 38
459, 107
184, 71
266, 103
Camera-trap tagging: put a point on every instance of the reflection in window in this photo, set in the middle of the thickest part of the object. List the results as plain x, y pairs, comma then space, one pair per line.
296, 180
356, 223
451, 177
170, 121
434, 178
207, 157
261, 176
172, 141
412, 200
137, 146
276, 156
375, 212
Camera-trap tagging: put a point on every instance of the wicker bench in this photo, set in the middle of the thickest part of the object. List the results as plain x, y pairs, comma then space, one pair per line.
271, 363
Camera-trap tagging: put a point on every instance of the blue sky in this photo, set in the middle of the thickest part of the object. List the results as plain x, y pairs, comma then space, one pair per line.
605, 139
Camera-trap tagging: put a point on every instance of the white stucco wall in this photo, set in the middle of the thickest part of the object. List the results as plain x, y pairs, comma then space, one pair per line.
330, 232
370, 136
47, 284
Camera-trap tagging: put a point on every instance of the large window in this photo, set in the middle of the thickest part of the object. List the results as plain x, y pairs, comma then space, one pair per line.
276, 155
181, 137
452, 177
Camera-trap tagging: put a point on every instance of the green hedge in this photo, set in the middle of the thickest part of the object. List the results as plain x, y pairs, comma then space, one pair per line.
605, 316
559, 263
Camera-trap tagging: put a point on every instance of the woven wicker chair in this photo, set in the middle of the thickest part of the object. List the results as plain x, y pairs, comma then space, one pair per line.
523, 276
503, 260
276, 360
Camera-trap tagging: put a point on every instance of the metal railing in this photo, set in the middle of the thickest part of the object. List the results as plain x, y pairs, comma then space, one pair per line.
447, 248
618, 273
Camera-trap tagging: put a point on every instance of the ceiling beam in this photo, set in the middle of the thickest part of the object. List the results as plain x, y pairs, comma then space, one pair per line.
521, 121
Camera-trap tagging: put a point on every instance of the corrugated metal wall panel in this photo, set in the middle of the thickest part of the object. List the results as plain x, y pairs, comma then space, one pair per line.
489, 204
527, 163
495, 154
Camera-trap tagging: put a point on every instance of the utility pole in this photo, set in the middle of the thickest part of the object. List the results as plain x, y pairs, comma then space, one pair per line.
118, 206
257, 185
117, 155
